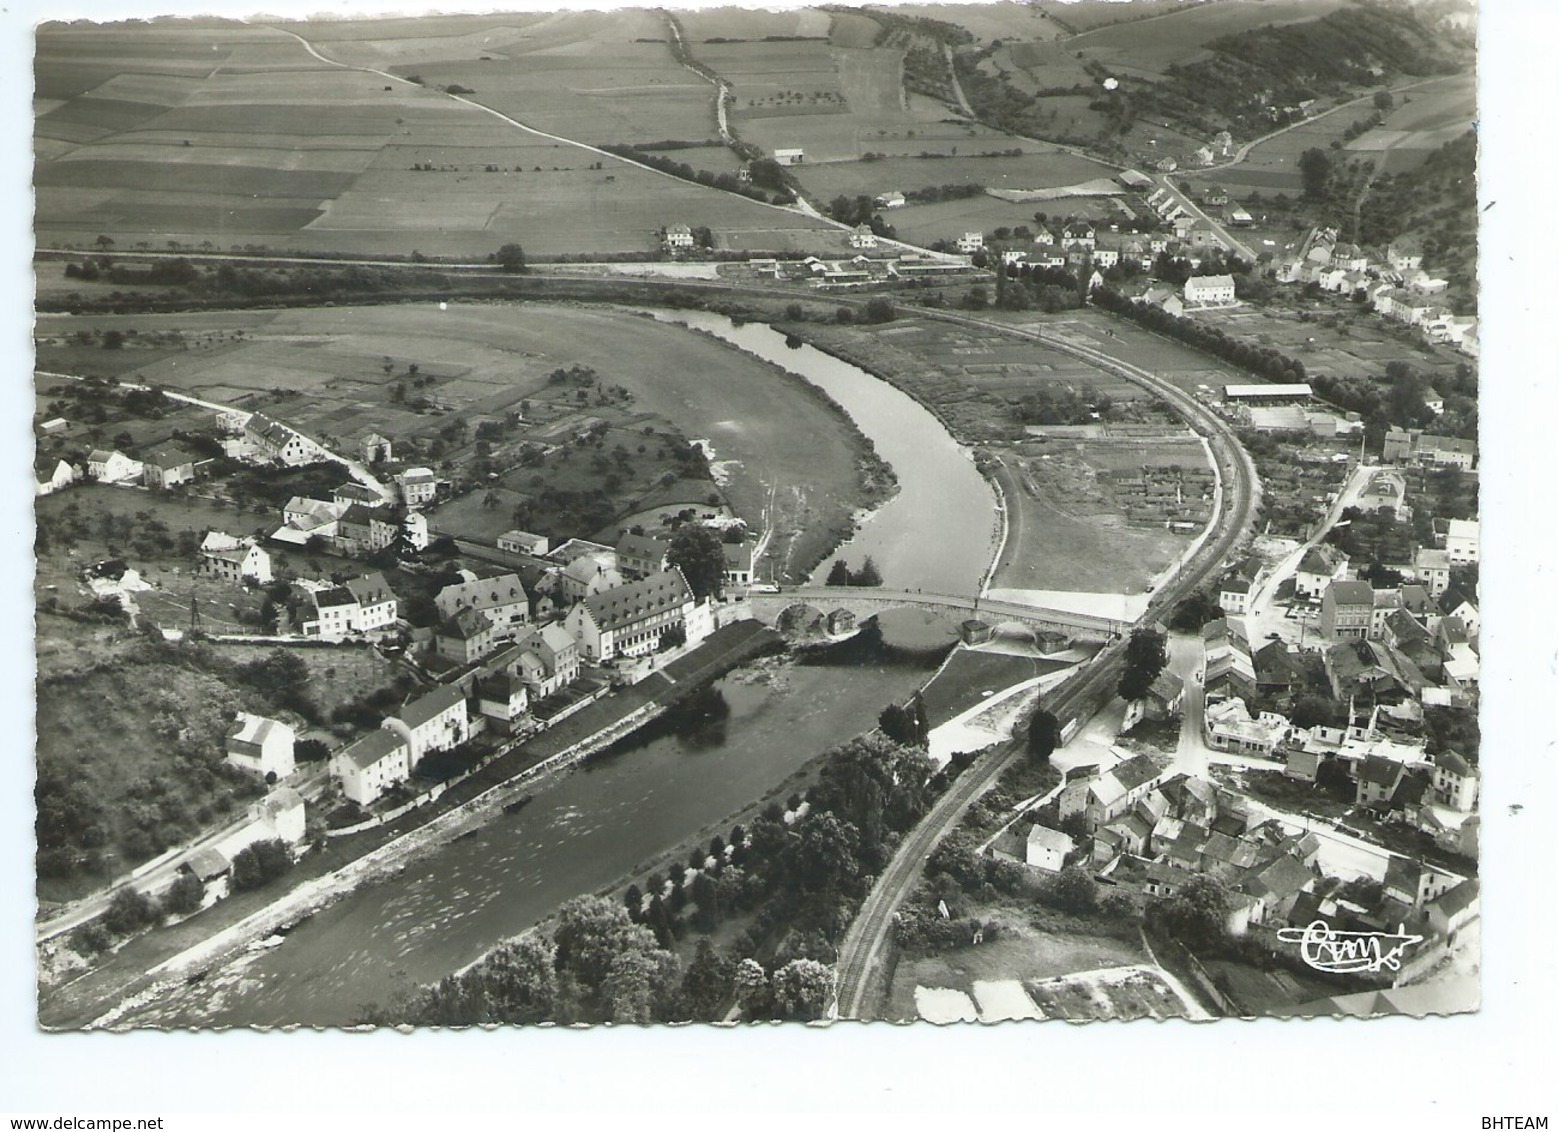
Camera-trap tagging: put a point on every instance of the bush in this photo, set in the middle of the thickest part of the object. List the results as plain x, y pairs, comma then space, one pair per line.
260, 863
129, 911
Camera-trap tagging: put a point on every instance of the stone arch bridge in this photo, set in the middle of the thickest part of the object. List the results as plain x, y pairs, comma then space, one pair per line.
861, 603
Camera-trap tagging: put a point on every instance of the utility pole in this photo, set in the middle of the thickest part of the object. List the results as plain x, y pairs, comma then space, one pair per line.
194, 613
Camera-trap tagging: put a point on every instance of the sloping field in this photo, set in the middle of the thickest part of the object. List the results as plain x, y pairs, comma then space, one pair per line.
753, 24
946, 220
1424, 120
316, 157
1039, 169
992, 21
1150, 47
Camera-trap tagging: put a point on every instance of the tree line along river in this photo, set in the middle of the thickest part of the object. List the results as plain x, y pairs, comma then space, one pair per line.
598, 822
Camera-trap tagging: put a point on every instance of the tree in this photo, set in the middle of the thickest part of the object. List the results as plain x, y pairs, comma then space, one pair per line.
592, 933
751, 983
698, 553
880, 310
258, 864
1146, 657
708, 984
839, 573
867, 575
129, 911
803, 989
511, 257
183, 895
1044, 731
1315, 167
1384, 101
1196, 914
1074, 890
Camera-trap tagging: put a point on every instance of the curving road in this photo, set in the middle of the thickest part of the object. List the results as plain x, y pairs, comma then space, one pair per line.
867, 938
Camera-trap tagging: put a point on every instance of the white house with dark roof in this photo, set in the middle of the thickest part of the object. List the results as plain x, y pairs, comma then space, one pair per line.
168, 466
371, 765
862, 236
1047, 849
466, 637
260, 746
638, 556
112, 466
1320, 567
629, 620
234, 560
418, 486
273, 440
1209, 289
1455, 782
435, 721
678, 237
502, 599
377, 607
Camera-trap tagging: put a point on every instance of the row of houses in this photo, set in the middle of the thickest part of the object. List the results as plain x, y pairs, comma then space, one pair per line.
1394, 280
1415, 446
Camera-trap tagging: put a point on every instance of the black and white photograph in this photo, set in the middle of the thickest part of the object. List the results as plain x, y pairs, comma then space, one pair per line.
935, 514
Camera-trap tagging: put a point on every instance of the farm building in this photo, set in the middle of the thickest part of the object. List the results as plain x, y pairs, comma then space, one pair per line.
790, 156
892, 200
1239, 218
1267, 393
1134, 180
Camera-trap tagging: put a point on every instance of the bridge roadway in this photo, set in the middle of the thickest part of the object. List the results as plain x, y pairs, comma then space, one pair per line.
865, 601
1085, 692
1078, 698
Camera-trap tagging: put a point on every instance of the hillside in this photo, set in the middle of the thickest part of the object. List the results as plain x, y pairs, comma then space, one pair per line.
1148, 88
1437, 204
1254, 73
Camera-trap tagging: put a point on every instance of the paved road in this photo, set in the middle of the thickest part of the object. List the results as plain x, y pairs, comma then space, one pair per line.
867, 938
1194, 209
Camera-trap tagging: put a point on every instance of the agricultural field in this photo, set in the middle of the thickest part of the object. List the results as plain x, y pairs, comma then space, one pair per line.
924, 224
972, 163
1423, 120
1005, 21
334, 373
1147, 48
264, 145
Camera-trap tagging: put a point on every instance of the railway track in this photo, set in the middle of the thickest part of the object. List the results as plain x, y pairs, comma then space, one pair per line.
1079, 697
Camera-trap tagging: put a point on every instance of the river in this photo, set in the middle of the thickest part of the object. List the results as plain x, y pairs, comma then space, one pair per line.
589, 826
938, 533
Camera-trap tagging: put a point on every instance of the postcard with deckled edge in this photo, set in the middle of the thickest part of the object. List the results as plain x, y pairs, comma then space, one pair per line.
957, 513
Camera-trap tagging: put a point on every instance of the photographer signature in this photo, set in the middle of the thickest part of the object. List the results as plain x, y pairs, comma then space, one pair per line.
1335, 952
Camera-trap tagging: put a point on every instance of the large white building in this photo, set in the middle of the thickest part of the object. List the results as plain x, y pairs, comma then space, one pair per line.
1209, 289
629, 620
370, 766
436, 721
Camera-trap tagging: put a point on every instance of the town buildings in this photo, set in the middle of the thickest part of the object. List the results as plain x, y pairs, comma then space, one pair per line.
630, 619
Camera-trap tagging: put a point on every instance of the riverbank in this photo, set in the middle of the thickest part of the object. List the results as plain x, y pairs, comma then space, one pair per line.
809, 518
149, 965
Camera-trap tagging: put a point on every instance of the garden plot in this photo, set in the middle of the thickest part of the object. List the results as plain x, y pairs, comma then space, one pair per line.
1003, 1000
1113, 993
